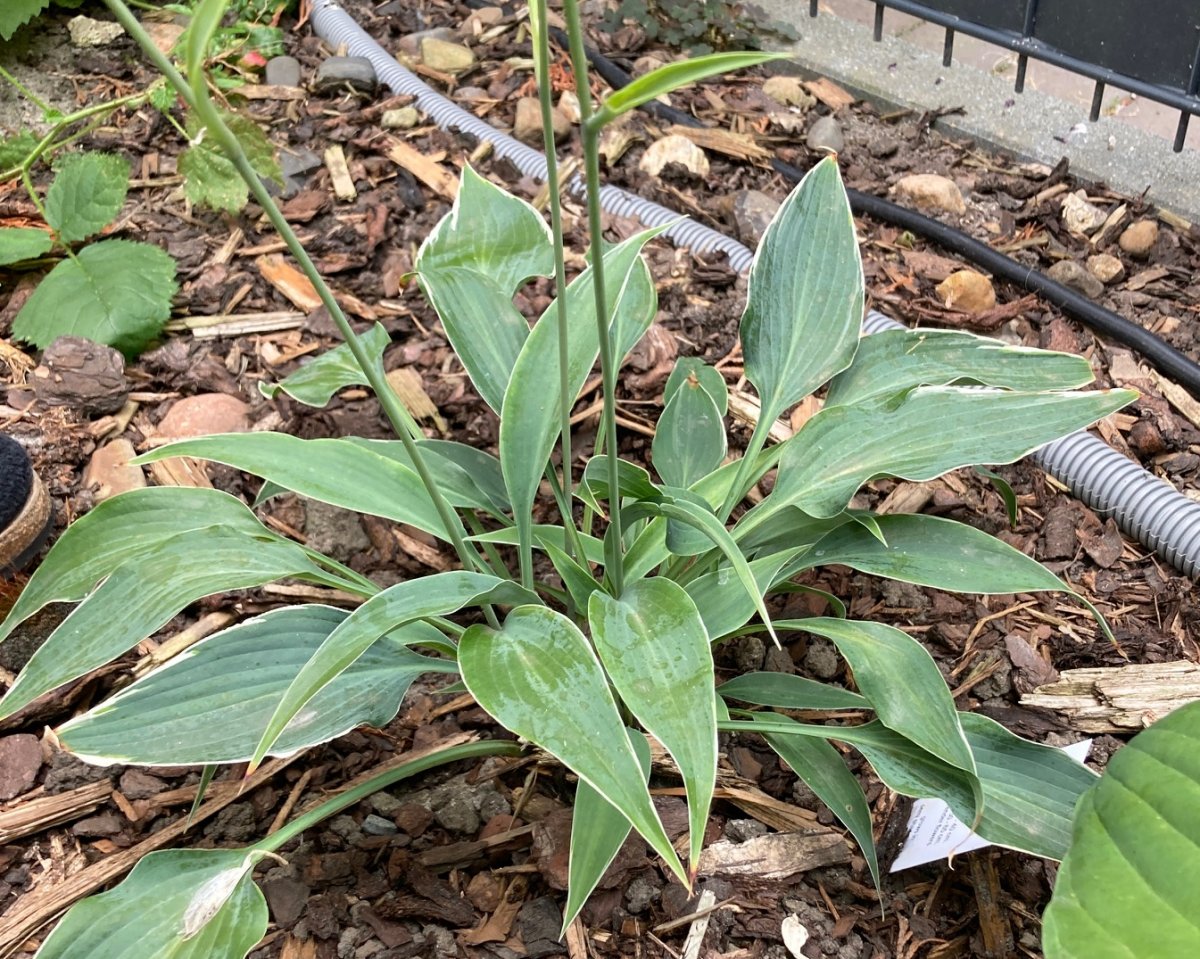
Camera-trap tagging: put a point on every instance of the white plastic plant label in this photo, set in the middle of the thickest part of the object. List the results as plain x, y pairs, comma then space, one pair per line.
934, 832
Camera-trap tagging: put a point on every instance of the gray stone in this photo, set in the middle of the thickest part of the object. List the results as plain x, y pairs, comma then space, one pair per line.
822, 659
299, 163
752, 212
457, 814
345, 827
445, 56
337, 74
826, 135
283, 72
333, 531
384, 803
1074, 275
641, 893
403, 118
538, 924
374, 825
739, 830
410, 46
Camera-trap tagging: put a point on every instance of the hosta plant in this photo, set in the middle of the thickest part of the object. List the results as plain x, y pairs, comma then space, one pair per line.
608, 637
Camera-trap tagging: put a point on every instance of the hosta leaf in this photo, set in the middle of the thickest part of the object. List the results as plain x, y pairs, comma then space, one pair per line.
315, 383
924, 434
538, 677
211, 703
491, 232
710, 380
532, 413
23, 243
177, 903
598, 831
86, 195
116, 292
654, 647
901, 681
210, 178
805, 301
788, 691
1128, 885
897, 360
139, 598
404, 603
723, 603
689, 440
119, 532
931, 551
822, 768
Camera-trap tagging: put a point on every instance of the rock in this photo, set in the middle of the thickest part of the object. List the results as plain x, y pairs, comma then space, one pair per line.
86, 32
1105, 267
930, 191
1073, 275
1059, 537
752, 214
95, 827
205, 414
646, 64
674, 149
641, 894
568, 106
446, 57
788, 91
1079, 216
338, 73
822, 659
1139, 238
826, 134
137, 784
283, 72
410, 46
538, 924
967, 291
110, 471
20, 760
334, 531
86, 376
287, 899
403, 118
527, 124
374, 825
743, 830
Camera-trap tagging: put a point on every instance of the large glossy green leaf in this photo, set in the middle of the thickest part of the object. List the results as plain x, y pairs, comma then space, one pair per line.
924, 434
672, 76
397, 606
176, 904
901, 681
931, 551
689, 440
315, 382
788, 691
654, 647
804, 311
486, 330
897, 360
139, 598
490, 232
598, 831
341, 472
1130, 883
539, 677
532, 411
823, 769
211, 703
117, 533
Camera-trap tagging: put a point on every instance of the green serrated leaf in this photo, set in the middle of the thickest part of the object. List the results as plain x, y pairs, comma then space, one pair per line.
87, 194
23, 243
15, 13
210, 178
116, 292
14, 149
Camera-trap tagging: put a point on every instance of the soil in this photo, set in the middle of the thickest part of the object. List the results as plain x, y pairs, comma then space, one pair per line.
470, 861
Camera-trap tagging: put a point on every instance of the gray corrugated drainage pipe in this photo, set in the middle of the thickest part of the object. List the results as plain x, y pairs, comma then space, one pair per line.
1147, 508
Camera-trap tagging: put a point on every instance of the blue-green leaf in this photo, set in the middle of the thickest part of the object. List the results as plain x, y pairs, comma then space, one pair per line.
316, 381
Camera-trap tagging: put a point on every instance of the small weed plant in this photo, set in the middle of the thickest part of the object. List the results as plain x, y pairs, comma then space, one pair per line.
701, 26
608, 639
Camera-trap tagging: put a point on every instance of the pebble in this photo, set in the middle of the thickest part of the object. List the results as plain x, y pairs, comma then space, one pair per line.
446, 57
568, 106
298, 163
86, 32
337, 73
1105, 267
674, 149
20, 760
1073, 275
788, 91
283, 72
374, 825
967, 291
930, 191
1079, 216
527, 124
204, 414
403, 118
109, 471
753, 211
334, 531
826, 135
641, 893
822, 659
1139, 238
410, 46
136, 784
78, 373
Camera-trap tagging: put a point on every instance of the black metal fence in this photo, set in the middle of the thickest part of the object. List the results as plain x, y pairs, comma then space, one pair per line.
1149, 47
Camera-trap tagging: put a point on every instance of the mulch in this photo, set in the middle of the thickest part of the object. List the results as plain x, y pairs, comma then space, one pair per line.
471, 861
